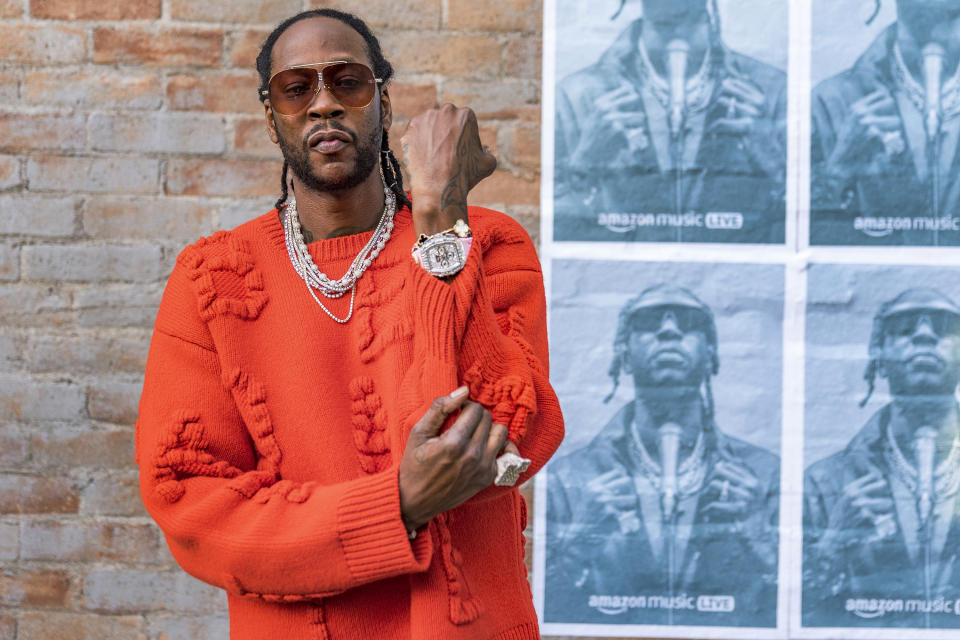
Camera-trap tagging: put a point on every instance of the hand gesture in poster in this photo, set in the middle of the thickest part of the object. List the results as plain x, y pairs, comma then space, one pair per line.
618, 115
742, 106
864, 506
868, 138
735, 496
615, 495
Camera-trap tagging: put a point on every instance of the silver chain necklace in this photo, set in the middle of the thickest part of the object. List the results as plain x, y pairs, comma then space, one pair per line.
314, 278
699, 88
946, 477
949, 92
690, 473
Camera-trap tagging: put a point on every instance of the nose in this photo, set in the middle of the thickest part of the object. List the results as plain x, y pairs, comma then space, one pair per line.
669, 326
324, 105
923, 332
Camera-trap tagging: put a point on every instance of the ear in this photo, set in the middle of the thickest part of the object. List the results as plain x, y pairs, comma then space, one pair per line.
271, 123
625, 365
714, 360
386, 109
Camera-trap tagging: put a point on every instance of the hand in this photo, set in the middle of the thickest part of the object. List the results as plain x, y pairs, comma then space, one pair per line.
617, 119
742, 104
868, 138
859, 507
615, 494
738, 500
441, 471
443, 153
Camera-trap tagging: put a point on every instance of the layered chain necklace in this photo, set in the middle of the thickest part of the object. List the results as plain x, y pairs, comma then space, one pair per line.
699, 88
949, 92
946, 477
314, 278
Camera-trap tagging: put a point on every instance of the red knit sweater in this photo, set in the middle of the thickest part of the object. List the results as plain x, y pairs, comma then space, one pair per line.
269, 436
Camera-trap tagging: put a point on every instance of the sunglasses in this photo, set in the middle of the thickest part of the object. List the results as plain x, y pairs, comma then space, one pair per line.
906, 323
651, 319
292, 90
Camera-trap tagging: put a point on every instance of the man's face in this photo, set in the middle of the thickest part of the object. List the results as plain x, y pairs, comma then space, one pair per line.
318, 164
671, 19
921, 352
936, 20
668, 347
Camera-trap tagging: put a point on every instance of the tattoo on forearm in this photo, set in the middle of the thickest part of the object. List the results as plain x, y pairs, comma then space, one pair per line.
453, 199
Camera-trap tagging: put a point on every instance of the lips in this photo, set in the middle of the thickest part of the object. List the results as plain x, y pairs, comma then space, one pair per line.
329, 140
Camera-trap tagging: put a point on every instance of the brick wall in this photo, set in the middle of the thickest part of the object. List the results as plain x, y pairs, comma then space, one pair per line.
129, 128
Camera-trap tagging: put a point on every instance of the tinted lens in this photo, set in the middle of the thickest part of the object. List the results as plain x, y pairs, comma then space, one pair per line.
650, 320
292, 90
351, 83
905, 324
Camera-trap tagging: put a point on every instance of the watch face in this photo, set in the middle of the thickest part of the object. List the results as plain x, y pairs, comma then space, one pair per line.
442, 255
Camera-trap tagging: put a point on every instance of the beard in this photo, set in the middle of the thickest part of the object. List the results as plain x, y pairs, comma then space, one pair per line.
298, 159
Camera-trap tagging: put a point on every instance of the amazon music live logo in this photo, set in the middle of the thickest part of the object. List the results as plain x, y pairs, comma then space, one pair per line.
626, 222
614, 605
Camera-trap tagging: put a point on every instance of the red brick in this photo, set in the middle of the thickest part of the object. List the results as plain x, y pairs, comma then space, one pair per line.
444, 53
409, 99
34, 588
96, 175
249, 11
397, 14
9, 261
509, 15
31, 494
504, 188
235, 178
113, 493
96, 352
74, 626
496, 100
158, 132
244, 46
22, 131
234, 92
117, 305
250, 137
525, 146
163, 47
36, 45
10, 9
95, 9
93, 89
91, 541
75, 447
33, 216
523, 57
92, 263
123, 218
114, 401
235, 213
9, 172
9, 87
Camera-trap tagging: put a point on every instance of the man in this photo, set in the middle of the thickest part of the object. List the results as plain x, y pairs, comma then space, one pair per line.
670, 122
884, 139
323, 448
880, 517
638, 535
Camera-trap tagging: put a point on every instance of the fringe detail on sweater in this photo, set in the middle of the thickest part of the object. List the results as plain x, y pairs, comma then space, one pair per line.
182, 453
380, 316
227, 282
511, 399
464, 607
369, 425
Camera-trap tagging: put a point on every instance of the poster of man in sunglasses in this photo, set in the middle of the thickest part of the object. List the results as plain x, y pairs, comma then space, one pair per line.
669, 135
884, 140
881, 514
662, 517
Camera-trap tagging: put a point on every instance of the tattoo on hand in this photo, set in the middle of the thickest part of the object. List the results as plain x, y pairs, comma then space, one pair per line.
454, 195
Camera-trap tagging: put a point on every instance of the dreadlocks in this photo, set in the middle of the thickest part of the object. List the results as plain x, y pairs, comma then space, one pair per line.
381, 69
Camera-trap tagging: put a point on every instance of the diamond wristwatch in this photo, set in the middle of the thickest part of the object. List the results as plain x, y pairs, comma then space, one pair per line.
444, 254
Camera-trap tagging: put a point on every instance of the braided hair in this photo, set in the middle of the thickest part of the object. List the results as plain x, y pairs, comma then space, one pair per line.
381, 69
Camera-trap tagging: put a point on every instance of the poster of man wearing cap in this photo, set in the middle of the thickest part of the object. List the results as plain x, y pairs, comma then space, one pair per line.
665, 132
882, 508
664, 508
885, 123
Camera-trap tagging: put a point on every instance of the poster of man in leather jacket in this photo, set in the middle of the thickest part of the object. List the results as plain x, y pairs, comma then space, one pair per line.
665, 133
885, 127
663, 509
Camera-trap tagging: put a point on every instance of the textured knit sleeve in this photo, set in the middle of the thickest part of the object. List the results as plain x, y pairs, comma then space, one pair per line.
228, 516
486, 328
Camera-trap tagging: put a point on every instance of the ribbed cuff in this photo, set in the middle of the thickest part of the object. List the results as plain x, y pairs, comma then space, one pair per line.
372, 535
526, 631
